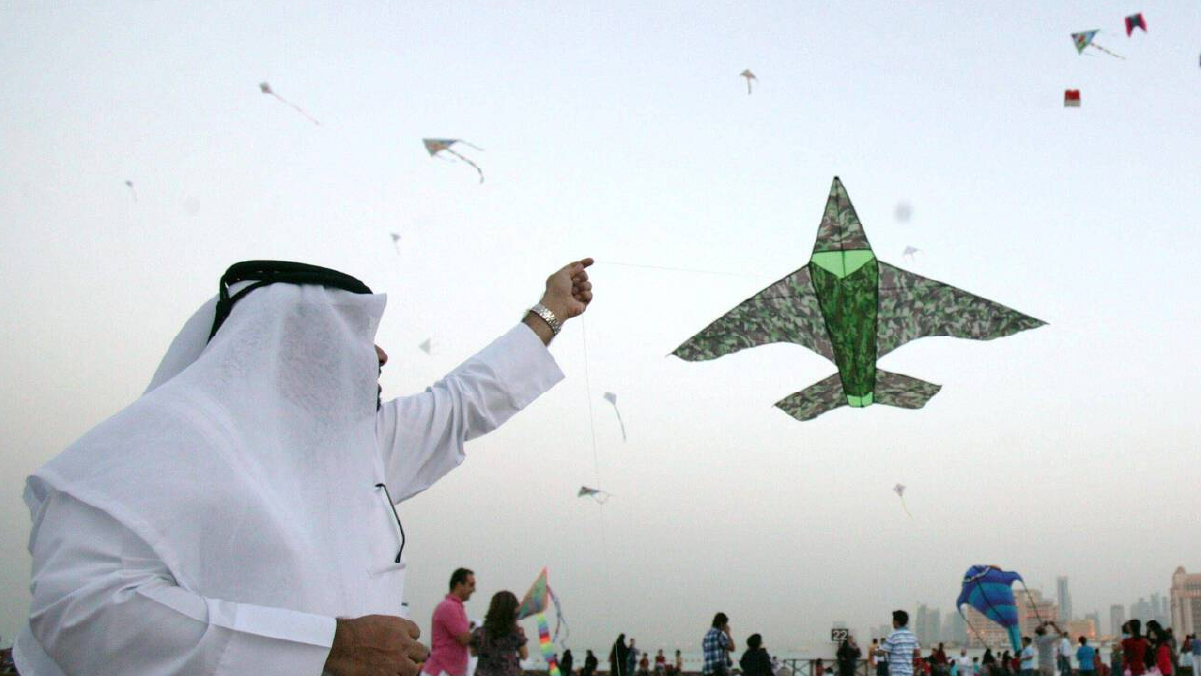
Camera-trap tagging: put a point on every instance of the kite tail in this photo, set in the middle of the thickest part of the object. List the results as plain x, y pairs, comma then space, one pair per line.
748, 86
904, 507
1015, 638
1107, 51
622, 423
560, 621
548, 648
135, 193
296, 108
477, 168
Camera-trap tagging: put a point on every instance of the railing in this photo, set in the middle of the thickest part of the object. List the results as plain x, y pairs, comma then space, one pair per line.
804, 667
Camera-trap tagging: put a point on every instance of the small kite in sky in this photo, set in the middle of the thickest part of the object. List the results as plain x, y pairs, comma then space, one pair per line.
133, 190
395, 241
1135, 21
903, 212
899, 489
439, 145
989, 590
426, 345
594, 493
852, 309
266, 89
1071, 98
1085, 39
749, 76
611, 397
910, 251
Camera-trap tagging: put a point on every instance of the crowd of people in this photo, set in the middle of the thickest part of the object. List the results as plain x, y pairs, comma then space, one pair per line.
1049, 652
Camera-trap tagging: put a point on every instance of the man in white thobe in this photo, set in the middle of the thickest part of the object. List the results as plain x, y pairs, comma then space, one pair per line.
239, 517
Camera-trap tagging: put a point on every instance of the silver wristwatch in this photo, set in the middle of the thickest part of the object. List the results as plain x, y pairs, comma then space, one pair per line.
548, 317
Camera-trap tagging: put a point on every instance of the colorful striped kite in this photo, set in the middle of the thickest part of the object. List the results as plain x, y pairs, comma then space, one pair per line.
1071, 98
535, 603
989, 590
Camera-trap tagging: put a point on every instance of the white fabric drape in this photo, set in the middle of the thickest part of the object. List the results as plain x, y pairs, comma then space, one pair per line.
242, 488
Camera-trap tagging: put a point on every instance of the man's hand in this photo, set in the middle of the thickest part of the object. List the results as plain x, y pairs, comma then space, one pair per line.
375, 645
568, 293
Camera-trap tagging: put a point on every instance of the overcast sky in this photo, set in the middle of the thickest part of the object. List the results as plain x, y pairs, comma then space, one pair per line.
621, 130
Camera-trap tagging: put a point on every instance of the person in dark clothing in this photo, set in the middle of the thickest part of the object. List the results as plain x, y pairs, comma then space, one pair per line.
848, 657
755, 661
619, 657
988, 664
566, 662
590, 664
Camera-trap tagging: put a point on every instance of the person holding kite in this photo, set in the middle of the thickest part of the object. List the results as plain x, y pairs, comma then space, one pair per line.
501, 643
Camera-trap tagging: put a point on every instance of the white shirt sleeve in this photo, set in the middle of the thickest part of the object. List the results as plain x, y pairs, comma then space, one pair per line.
422, 435
103, 603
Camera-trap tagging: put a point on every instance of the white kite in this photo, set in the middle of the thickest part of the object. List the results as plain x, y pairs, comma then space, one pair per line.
396, 241
426, 345
129, 184
910, 251
611, 397
749, 76
266, 89
443, 145
899, 489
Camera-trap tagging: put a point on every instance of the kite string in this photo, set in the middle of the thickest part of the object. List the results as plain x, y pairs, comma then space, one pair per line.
674, 269
595, 457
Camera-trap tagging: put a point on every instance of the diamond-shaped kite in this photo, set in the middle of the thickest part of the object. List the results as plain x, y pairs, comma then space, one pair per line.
1085, 39
443, 145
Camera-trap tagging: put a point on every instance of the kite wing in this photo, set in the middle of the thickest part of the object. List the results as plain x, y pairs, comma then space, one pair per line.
1083, 40
785, 312
594, 493
435, 145
535, 599
912, 306
989, 590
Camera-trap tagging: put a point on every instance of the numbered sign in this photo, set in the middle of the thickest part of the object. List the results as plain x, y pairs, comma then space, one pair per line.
838, 635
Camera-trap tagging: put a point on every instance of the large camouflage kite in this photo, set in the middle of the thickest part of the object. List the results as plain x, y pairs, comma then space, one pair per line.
853, 309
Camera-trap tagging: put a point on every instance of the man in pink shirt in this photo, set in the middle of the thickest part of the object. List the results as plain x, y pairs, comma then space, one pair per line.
449, 630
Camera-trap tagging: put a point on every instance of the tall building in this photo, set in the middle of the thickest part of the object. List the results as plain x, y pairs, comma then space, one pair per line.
984, 633
926, 624
1078, 628
1032, 607
1157, 609
1117, 617
1186, 602
1141, 610
954, 629
1065, 598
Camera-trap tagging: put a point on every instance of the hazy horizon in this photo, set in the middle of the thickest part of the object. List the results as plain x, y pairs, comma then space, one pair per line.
623, 131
